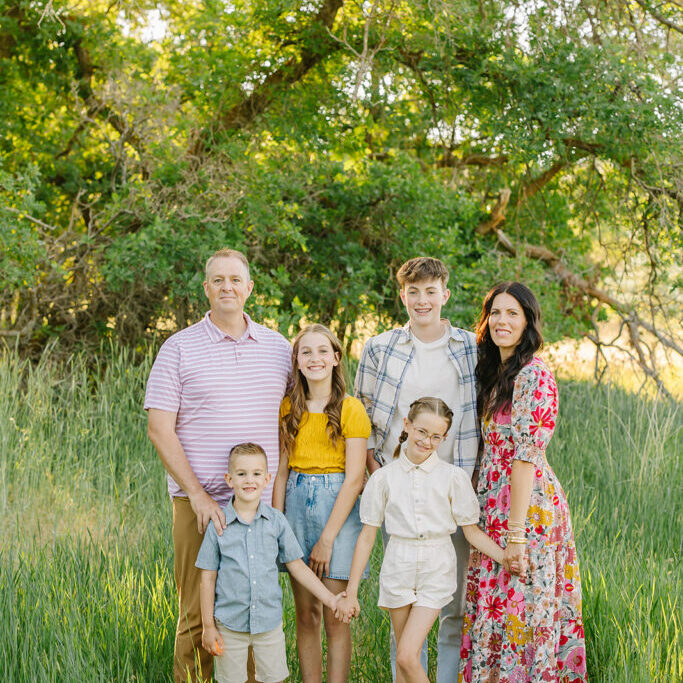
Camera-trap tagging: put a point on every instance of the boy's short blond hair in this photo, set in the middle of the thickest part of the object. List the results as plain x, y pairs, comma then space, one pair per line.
420, 269
246, 448
227, 253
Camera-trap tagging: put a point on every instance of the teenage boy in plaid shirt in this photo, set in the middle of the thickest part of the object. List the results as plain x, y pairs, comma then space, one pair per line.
426, 357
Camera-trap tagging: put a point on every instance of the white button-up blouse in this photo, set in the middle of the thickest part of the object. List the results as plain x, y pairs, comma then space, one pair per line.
425, 501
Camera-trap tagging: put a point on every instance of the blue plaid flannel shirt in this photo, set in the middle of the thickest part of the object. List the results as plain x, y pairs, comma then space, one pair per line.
380, 374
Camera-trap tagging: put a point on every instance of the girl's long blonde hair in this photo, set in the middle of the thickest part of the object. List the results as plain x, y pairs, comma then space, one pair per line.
290, 423
426, 404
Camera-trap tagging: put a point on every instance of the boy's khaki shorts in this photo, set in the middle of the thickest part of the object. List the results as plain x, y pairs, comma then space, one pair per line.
270, 656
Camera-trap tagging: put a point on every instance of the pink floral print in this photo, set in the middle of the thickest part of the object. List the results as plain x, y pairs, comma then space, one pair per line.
524, 629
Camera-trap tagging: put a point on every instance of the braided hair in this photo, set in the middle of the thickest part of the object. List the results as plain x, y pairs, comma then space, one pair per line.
426, 404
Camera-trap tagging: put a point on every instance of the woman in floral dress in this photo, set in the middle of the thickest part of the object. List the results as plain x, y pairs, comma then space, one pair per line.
520, 627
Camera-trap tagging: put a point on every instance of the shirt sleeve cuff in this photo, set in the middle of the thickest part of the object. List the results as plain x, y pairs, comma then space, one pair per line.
291, 557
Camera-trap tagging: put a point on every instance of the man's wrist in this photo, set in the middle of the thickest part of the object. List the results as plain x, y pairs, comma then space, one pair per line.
195, 491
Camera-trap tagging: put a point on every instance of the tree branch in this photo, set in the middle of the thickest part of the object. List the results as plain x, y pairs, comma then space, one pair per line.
244, 112
86, 69
449, 160
532, 187
497, 214
659, 17
554, 262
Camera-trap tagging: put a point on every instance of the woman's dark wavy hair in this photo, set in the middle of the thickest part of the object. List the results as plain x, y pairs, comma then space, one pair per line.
495, 379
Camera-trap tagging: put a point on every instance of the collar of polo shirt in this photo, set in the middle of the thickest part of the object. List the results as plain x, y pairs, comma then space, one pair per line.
217, 335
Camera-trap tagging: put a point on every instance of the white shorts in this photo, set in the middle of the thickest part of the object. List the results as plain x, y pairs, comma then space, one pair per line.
419, 572
270, 656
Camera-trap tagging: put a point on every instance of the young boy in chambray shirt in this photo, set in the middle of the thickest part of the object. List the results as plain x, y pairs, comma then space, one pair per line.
239, 591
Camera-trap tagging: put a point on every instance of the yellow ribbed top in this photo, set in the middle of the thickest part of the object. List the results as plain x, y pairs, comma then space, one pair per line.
314, 453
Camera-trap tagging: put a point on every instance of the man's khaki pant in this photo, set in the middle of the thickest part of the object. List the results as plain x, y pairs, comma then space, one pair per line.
190, 658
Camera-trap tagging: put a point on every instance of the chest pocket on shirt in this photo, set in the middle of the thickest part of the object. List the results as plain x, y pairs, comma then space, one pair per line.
270, 548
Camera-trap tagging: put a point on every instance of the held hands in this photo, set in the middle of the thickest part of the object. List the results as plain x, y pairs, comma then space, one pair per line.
212, 641
347, 608
514, 558
206, 509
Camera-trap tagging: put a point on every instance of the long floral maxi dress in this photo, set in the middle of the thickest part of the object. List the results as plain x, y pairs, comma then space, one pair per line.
520, 630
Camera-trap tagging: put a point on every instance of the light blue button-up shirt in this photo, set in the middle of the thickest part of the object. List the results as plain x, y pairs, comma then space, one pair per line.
248, 594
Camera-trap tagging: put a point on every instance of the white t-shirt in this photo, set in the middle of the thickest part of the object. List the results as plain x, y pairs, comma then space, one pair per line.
430, 372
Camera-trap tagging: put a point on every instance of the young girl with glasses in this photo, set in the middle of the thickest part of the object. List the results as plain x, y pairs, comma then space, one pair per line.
323, 438
422, 501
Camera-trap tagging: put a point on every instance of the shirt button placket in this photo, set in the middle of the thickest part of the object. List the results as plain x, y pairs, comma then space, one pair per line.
416, 498
252, 573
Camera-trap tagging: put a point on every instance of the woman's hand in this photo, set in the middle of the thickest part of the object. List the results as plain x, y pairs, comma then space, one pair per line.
514, 558
319, 560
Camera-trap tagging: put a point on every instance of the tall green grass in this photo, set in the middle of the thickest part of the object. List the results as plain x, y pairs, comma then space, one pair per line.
86, 580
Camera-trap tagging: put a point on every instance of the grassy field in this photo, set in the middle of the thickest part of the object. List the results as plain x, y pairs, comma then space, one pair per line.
86, 585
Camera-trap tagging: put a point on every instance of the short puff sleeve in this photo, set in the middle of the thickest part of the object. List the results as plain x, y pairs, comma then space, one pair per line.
533, 412
288, 547
355, 422
373, 502
209, 556
463, 500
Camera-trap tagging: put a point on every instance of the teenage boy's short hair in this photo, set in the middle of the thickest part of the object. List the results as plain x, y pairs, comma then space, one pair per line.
246, 448
227, 253
420, 269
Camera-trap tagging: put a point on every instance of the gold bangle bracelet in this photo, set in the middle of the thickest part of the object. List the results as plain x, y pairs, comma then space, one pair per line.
517, 541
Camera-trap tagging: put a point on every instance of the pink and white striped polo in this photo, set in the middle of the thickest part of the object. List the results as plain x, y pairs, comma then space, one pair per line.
225, 391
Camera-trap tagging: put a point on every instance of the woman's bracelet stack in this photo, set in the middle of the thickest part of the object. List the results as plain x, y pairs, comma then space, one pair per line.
516, 533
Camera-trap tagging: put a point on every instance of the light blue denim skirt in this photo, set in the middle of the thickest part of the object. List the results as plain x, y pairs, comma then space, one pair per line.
309, 500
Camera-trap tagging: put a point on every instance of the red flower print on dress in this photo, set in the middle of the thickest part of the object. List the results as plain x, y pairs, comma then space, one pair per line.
495, 439
543, 419
505, 646
576, 660
493, 606
576, 626
494, 528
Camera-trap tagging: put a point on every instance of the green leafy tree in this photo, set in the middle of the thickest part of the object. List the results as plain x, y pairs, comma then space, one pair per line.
331, 140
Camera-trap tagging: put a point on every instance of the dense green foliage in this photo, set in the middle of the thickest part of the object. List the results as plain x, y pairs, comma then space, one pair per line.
86, 577
331, 140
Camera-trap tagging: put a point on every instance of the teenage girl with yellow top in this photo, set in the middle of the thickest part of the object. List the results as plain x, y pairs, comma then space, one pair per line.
323, 435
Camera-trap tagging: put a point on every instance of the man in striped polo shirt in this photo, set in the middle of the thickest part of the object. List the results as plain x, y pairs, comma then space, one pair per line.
214, 384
